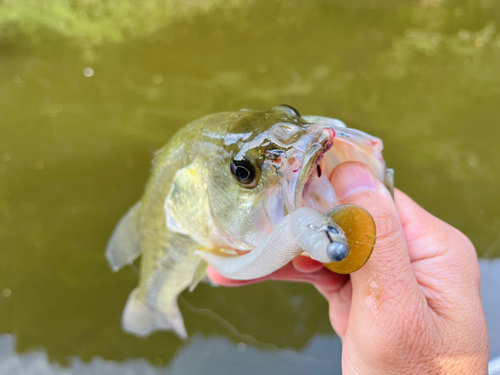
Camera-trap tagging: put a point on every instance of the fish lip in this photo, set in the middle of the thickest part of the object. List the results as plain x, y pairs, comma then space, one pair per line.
313, 154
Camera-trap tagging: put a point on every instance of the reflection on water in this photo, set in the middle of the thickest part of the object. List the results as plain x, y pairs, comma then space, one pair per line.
218, 355
83, 107
94, 22
214, 355
490, 285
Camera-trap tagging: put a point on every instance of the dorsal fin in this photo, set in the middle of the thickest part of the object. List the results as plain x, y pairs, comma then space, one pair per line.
157, 154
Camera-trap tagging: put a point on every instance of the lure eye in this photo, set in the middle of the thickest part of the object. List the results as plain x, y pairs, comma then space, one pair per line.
332, 229
243, 172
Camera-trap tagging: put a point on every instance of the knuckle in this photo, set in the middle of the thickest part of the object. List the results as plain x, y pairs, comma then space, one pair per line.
466, 243
467, 257
461, 241
474, 273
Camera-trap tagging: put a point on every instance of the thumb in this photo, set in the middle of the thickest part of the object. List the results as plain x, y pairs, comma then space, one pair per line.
386, 279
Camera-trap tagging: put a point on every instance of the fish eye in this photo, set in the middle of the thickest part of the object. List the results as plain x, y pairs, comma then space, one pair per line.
244, 172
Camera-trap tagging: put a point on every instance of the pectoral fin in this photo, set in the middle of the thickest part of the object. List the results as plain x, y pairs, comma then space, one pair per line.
123, 246
186, 206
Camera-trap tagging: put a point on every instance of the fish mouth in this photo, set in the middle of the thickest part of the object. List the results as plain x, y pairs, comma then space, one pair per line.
317, 148
298, 175
327, 144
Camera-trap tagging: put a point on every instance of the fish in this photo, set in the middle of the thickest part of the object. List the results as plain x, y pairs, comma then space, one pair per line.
245, 191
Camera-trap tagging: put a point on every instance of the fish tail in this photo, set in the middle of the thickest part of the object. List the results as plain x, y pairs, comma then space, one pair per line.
141, 320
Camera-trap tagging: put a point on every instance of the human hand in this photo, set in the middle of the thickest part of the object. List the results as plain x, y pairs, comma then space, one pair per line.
415, 306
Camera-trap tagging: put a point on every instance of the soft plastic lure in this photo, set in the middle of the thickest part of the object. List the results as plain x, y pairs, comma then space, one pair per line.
342, 239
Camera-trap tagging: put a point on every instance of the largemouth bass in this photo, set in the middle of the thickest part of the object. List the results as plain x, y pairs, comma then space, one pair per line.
245, 191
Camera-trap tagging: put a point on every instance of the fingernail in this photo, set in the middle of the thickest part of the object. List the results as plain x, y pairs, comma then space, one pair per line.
350, 179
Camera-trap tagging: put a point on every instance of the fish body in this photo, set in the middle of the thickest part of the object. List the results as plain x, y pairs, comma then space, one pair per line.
230, 184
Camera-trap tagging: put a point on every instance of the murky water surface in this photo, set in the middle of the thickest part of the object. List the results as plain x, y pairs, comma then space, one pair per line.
83, 106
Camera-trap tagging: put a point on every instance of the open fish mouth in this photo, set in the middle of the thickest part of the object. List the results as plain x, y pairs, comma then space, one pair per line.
305, 175
311, 169
330, 144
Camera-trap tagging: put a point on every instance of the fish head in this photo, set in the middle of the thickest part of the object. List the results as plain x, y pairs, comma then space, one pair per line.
262, 171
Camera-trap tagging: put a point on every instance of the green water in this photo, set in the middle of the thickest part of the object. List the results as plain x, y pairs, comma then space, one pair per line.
75, 150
